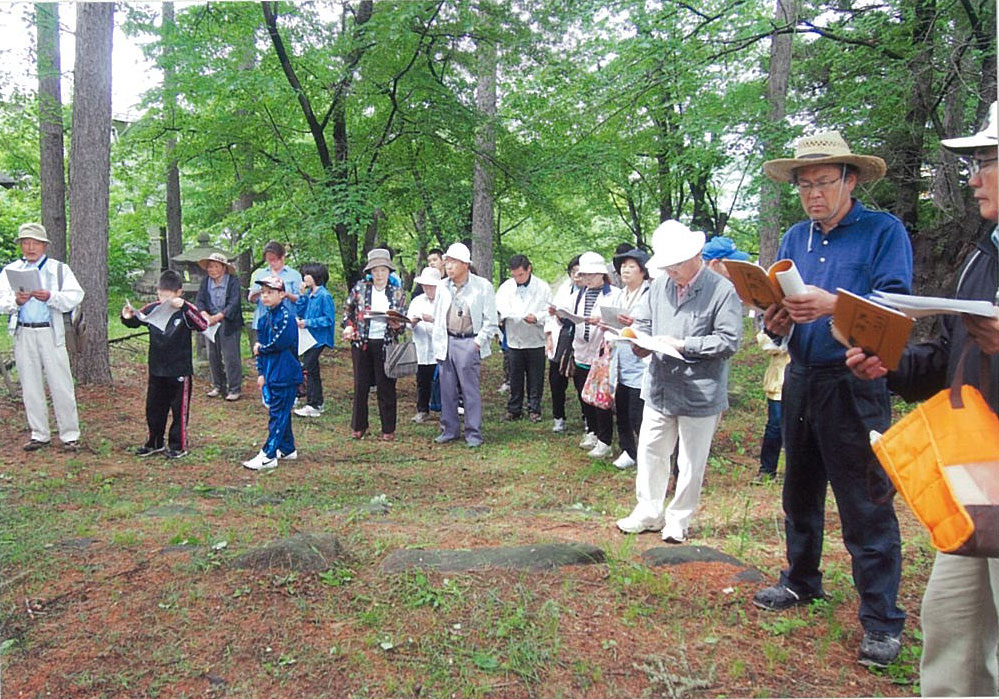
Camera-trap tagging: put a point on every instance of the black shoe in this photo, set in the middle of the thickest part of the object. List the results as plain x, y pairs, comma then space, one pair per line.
71, 445
146, 450
176, 453
510, 417
780, 597
35, 445
879, 649
763, 477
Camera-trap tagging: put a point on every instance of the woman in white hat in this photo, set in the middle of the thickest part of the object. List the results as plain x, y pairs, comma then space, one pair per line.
596, 291
421, 312
370, 332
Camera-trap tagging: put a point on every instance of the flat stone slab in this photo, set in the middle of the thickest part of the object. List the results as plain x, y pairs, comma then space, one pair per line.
539, 557
172, 510
75, 544
302, 552
678, 555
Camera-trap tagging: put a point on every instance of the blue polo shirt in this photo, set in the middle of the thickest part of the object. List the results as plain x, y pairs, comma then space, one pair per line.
866, 251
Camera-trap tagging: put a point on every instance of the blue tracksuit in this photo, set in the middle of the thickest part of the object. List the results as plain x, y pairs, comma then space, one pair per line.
277, 363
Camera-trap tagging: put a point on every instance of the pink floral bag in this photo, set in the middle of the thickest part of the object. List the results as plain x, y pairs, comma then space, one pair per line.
597, 390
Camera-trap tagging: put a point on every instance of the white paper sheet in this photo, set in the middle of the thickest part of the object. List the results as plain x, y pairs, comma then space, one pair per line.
653, 343
211, 331
920, 306
567, 314
24, 279
160, 317
791, 282
306, 341
609, 314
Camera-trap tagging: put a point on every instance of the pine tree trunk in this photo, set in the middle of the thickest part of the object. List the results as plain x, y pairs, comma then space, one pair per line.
89, 176
52, 168
175, 235
483, 226
785, 14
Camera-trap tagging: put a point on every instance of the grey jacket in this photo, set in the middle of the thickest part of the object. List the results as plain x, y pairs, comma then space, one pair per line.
709, 321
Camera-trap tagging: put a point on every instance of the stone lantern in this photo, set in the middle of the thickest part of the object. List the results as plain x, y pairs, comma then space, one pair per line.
187, 265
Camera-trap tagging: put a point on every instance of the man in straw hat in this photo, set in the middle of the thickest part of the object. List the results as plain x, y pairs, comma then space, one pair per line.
464, 324
36, 322
220, 301
960, 614
827, 412
685, 390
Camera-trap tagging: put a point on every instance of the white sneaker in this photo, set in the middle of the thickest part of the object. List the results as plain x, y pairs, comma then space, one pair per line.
558, 425
589, 441
260, 461
673, 536
290, 456
420, 418
600, 451
624, 461
633, 524
307, 411
504, 388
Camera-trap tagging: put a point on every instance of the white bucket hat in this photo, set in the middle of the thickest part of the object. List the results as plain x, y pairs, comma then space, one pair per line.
826, 148
672, 243
592, 263
35, 231
460, 252
988, 136
431, 276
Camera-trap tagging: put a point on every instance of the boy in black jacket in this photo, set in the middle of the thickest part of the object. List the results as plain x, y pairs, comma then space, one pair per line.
170, 367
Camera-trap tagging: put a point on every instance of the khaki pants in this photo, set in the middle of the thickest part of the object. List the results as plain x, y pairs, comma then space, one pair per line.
960, 619
40, 361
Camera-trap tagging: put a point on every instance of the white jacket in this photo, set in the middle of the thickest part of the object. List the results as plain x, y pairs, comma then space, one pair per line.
60, 301
481, 300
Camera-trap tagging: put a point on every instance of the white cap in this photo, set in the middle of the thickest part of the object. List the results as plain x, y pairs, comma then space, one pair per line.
592, 263
988, 136
431, 276
459, 251
672, 243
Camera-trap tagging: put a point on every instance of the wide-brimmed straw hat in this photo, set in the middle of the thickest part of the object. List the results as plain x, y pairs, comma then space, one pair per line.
217, 257
826, 148
379, 257
431, 276
673, 243
987, 137
35, 231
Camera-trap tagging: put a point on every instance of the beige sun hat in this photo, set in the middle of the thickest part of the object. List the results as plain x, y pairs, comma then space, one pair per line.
673, 243
221, 259
988, 137
35, 231
826, 148
431, 276
379, 257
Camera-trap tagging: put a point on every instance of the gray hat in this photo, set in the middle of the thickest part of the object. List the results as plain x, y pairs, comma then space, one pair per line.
379, 257
35, 231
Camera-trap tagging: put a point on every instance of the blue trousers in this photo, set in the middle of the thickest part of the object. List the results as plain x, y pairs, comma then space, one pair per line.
772, 439
280, 400
827, 415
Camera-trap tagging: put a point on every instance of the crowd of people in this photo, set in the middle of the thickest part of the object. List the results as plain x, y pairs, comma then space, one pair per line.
666, 393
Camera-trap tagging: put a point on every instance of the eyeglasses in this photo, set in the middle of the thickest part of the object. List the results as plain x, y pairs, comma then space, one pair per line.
806, 188
976, 165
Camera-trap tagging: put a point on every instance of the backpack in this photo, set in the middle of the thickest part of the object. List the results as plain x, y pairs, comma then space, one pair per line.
74, 322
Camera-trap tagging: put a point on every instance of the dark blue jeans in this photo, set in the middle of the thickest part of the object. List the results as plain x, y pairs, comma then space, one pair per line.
827, 416
772, 439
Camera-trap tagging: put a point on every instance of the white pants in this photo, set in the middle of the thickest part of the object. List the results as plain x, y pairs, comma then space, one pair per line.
40, 361
656, 440
960, 620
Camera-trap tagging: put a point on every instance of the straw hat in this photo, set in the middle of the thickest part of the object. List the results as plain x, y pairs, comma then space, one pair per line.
673, 243
431, 276
35, 231
221, 259
987, 137
379, 257
826, 148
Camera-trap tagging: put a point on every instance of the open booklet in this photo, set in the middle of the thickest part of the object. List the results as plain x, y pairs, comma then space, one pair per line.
921, 306
877, 329
609, 314
388, 315
653, 343
566, 314
761, 288
24, 279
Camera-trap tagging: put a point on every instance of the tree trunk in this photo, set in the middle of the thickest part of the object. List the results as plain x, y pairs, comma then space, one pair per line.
785, 15
175, 235
483, 225
89, 177
52, 168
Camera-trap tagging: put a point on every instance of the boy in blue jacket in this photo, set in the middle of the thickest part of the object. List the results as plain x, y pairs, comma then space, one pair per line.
279, 373
316, 314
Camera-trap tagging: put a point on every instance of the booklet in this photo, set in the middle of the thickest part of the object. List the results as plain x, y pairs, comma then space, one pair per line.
653, 343
306, 341
24, 279
566, 314
761, 288
921, 306
879, 330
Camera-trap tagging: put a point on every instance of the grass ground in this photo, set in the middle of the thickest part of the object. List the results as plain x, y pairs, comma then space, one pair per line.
116, 577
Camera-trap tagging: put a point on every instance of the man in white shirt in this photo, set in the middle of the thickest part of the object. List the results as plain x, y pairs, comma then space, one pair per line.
36, 322
522, 303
